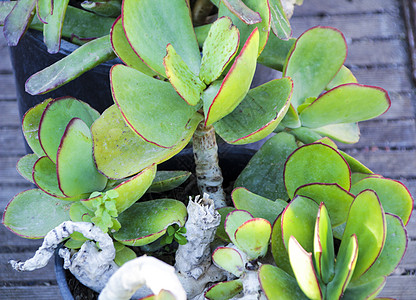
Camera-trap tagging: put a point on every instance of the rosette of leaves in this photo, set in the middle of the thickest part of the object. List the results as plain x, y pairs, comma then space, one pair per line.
69, 186
327, 100
251, 236
213, 90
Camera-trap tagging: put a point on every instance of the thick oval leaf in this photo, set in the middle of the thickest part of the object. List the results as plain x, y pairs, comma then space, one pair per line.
46, 178
314, 61
316, 163
348, 133
79, 213
337, 200
393, 195
71, 66
161, 122
263, 174
32, 214
16, 23
367, 221
235, 85
253, 237
323, 245
278, 247
220, 47
343, 76
124, 255
305, 135
392, 253
291, 119
224, 290
279, 21
25, 166
229, 259
186, 83
128, 191
366, 291
234, 220
145, 222
119, 152
30, 126
258, 114
344, 267
139, 18
43, 9
104, 8
55, 119
275, 53
168, 180
75, 165
223, 211
257, 206
241, 11
53, 26
354, 164
260, 6
347, 103
124, 51
277, 284
302, 265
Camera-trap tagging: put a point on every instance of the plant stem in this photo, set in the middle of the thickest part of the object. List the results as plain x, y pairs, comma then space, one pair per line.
208, 172
201, 10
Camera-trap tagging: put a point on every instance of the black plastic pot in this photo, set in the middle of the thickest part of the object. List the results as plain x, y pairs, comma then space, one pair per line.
232, 160
31, 56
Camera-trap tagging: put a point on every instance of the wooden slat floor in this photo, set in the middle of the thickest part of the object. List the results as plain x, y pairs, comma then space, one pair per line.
378, 55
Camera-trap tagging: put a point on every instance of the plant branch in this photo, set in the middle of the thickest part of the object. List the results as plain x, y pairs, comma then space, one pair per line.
208, 172
200, 12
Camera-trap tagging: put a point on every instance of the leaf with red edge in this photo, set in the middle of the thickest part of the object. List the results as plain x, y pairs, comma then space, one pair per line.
234, 220
160, 116
235, 85
53, 26
229, 259
186, 83
258, 114
46, 178
124, 51
241, 11
25, 166
44, 8
151, 25
17, 22
224, 290
279, 21
347, 103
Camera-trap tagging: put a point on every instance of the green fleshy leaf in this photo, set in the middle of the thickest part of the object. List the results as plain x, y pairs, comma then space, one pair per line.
277, 284
323, 246
202, 34
263, 175
124, 255
223, 211
337, 200
168, 180
393, 195
224, 290
73, 244
279, 21
275, 53
314, 61
241, 11
234, 220
119, 152
229, 259
291, 119
354, 164
236, 83
260, 6
124, 51
366, 291
32, 214
367, 221
76, 170
220, 47
257, 206
55, 119
30, 126
45, 177
186, 83
79, 213
343, 76
165, 130
25, 166
348, 133
107, 8
145, 222
53, 26
305, 135
315, 163
344, 267
258, 114
16, 23
253, 237
302, 265
392, 253
348, 103
5, 9
139, 17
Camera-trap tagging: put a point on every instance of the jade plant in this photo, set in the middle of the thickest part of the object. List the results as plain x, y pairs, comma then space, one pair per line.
183, 82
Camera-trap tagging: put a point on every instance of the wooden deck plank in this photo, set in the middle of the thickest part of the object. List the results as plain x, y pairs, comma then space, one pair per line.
400, 287
9, 113
12, 242
392, 80
7, 87
409, 259
47, 292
